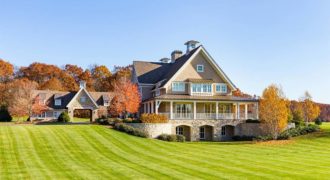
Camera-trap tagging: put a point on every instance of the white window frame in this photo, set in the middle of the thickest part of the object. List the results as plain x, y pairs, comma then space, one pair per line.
179, 130
106, 103
200, 70
58, 102
223, 88
178, 87
56, 114
205, 88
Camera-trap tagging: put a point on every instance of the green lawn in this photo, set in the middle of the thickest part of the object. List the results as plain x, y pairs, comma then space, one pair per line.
76, 119
95, 152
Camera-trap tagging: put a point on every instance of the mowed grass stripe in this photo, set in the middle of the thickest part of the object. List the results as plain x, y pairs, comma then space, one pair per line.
144, 165
95, 152
25, 149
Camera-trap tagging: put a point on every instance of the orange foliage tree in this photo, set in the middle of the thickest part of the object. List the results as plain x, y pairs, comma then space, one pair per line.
127, 99
100, 75
6, 70
23, 102
274, 110
40, 72
52, 84
310, 109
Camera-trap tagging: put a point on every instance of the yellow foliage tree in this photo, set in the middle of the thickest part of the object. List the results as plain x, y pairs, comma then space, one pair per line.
274, 110
310, 109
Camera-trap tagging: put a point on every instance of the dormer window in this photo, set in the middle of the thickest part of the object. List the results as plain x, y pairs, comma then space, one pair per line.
200, 68
221, 88
58, 102
178, 86
83, 99
106, 103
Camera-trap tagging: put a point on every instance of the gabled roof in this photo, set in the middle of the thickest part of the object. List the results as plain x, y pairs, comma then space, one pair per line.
66, 97
86, 92
153, 72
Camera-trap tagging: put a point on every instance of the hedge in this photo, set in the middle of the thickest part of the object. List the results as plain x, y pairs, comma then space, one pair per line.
64, 117
130, 130
153, 118
172, 138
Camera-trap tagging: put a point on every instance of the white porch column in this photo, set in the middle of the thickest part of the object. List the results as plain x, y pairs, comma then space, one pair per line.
156, 107
152, 106
195, 113
237, 111
246, 111
216, 110
171, 109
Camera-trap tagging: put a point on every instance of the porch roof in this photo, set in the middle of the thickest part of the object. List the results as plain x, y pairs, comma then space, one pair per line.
206, 98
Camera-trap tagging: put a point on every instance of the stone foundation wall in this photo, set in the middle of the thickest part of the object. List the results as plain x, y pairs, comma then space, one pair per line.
238, 127
153, 129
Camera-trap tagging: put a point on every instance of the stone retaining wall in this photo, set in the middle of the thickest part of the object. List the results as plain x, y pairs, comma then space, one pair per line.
153, 129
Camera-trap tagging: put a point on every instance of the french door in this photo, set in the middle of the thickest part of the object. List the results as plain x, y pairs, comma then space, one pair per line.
183, 111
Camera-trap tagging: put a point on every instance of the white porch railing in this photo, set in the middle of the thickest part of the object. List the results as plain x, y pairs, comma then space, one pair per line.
183, 115
226, 116
208, 115
205, 115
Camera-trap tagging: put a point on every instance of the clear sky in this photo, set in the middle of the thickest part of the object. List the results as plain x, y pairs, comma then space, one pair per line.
256, 43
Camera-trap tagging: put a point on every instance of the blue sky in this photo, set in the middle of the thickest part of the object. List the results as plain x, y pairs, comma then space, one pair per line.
257, 43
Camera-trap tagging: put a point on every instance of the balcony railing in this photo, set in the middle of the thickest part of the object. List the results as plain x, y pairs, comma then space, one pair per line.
205, 115
208, 115
183, 115
226, 116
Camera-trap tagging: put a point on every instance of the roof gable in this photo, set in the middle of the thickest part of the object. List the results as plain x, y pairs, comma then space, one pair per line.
211, 61
89, 100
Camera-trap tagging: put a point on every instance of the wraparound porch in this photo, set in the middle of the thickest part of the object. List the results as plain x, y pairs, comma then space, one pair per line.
176, 110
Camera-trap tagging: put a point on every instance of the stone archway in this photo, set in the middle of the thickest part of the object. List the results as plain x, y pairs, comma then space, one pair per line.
206, 133
227, 132
184, 130
82, 115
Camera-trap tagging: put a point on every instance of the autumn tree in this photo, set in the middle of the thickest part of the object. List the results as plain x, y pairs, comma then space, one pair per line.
6, 70
22, 99
68, 82
100, 75
74, 71
52, 84
310, 109
127, 98
121, 73
40, 72
274, 110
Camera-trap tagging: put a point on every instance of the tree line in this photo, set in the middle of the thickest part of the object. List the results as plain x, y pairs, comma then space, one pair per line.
18, 83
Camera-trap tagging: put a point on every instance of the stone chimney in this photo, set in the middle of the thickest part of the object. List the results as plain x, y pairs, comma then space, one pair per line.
175, 55
164, 60
191, 45
82, 84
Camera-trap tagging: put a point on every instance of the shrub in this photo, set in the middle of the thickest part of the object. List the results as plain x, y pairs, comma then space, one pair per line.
243, 138
318, 121
130, 130
153, 118
4, 114
64, 117
172, 138
264, 138
301, 130
102, 121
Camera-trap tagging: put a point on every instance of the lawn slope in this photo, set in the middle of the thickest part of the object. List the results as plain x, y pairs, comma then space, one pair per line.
95, 152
